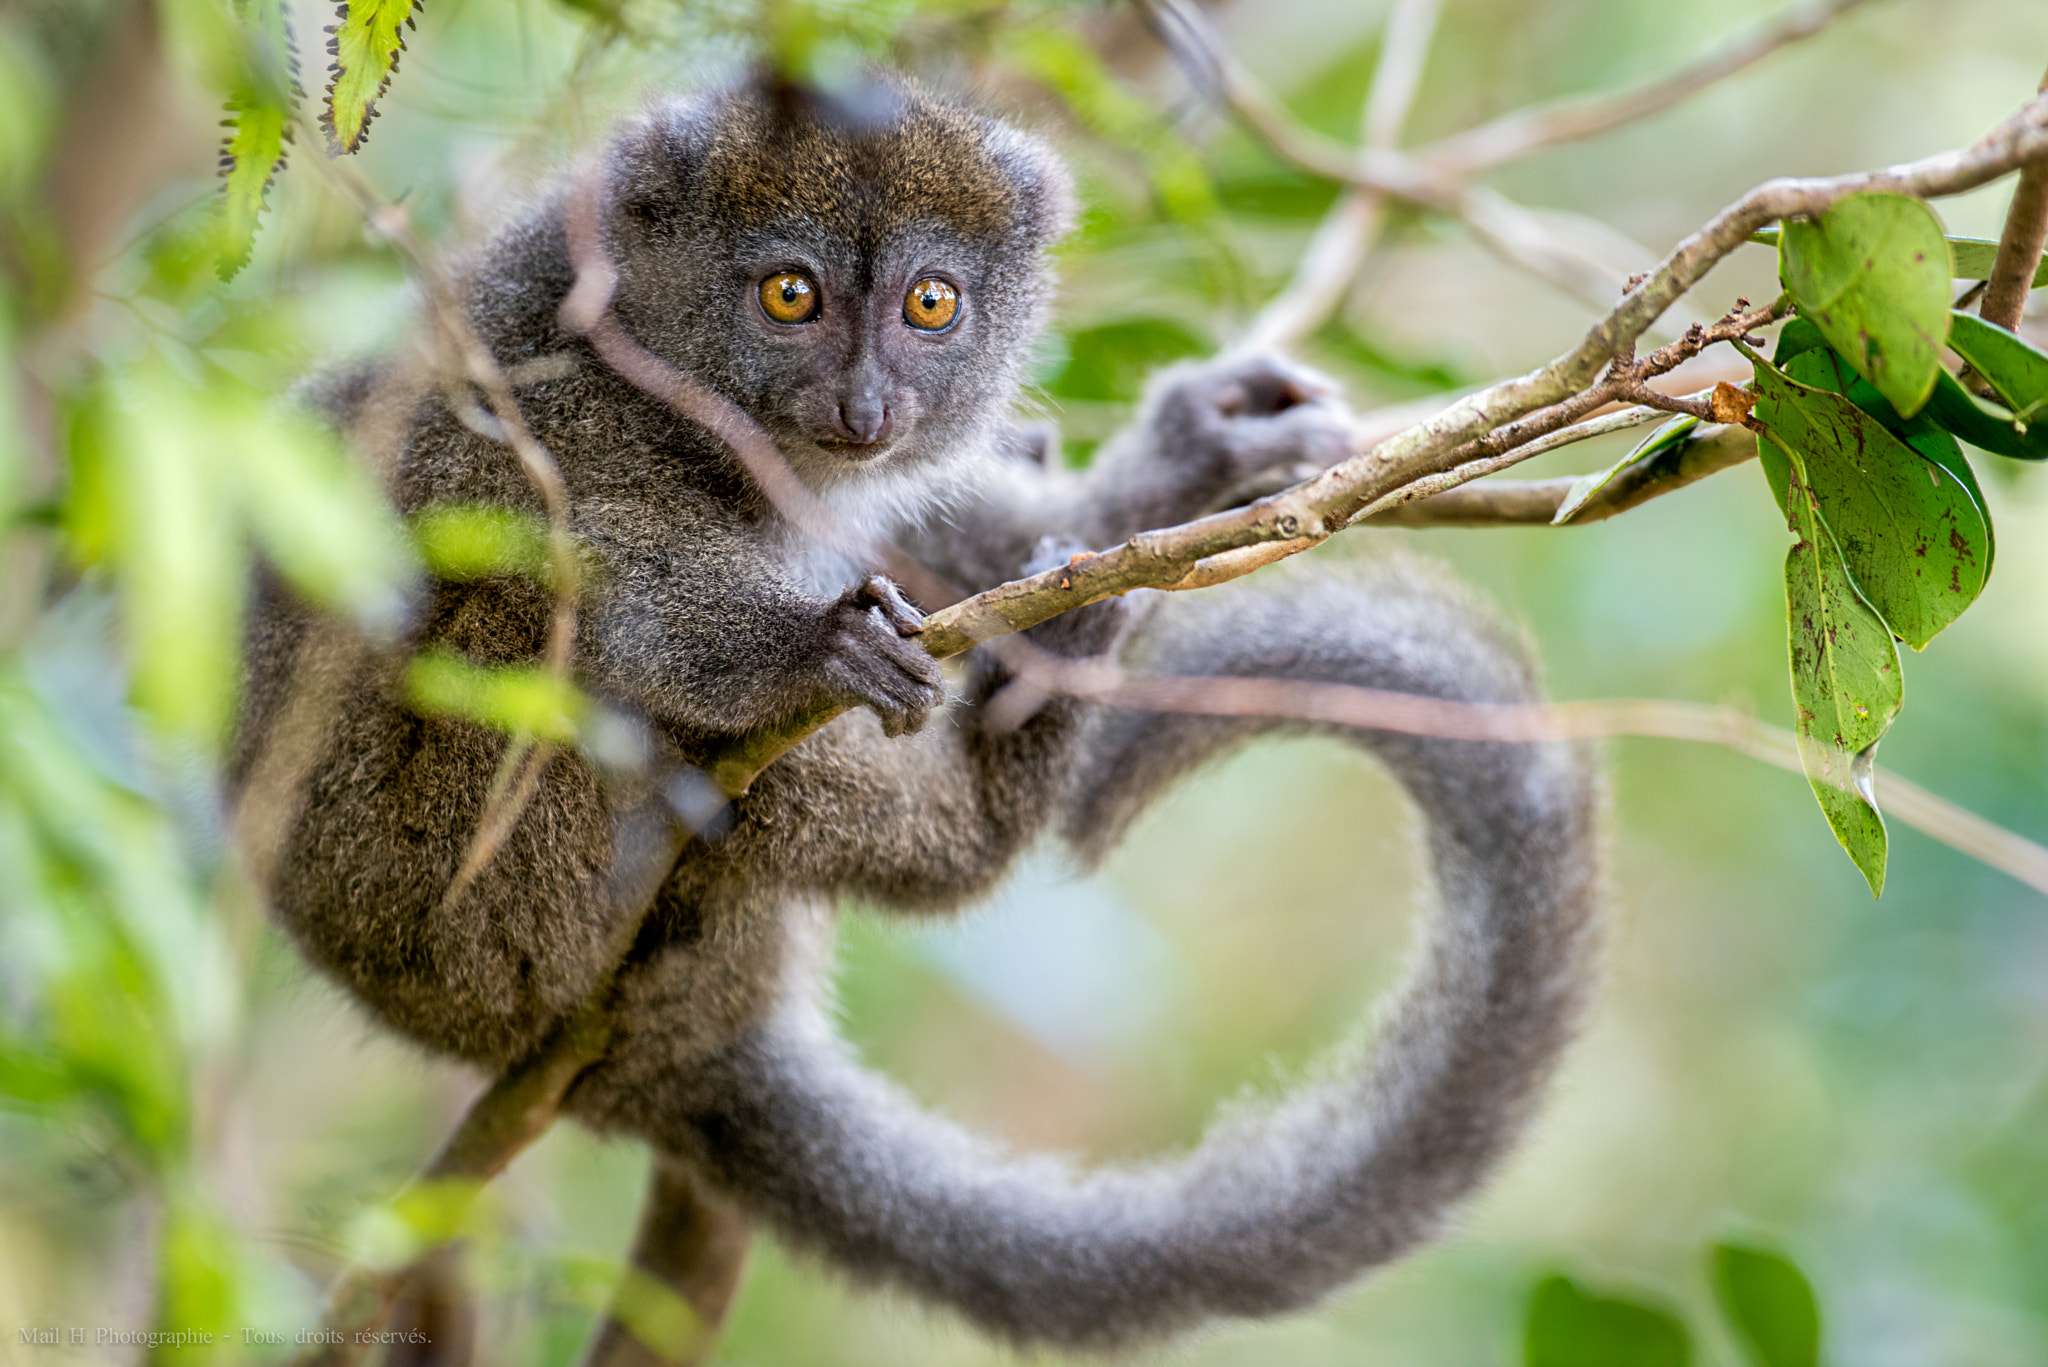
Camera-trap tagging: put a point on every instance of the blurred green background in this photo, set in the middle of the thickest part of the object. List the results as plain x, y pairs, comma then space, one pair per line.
194, 1125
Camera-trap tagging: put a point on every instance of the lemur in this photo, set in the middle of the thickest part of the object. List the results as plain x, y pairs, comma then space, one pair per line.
869, 291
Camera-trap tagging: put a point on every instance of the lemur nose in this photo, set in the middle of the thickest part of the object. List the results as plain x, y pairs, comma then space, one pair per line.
864, 419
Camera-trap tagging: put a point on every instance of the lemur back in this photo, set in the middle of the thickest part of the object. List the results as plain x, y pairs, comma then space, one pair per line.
868, 291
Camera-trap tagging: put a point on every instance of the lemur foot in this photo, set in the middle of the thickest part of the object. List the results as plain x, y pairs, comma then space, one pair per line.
873, 660
1248, 426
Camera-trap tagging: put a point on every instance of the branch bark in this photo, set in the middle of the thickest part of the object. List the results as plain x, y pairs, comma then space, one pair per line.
681, 1276
2019, 246
1535, 502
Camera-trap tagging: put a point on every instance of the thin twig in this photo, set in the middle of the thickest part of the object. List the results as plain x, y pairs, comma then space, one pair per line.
1511, 231
1502, 226
1535, 502
1342, 240
1433, 486
1410, 714
1516, 135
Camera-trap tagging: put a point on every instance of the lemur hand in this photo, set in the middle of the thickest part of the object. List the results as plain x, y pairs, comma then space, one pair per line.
873, 660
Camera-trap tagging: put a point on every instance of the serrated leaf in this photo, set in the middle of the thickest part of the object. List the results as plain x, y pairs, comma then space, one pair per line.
1846, 684
523, 700
2015, 369
259, 131
1873, 274
1670, 437
1568, 1327
1912, 536
259, 109
365, 47
1770, 1303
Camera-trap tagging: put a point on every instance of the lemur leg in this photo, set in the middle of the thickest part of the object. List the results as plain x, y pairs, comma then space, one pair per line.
388, 815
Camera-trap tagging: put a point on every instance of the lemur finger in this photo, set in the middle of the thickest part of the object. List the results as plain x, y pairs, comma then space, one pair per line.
879, 591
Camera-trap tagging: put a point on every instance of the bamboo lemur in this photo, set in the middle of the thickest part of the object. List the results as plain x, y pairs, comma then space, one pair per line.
869, 291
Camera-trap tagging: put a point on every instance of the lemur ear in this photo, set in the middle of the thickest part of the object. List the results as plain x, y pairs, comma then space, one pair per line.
649, 169
1044, 188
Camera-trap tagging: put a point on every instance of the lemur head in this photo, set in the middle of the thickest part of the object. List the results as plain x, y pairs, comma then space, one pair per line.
867, 286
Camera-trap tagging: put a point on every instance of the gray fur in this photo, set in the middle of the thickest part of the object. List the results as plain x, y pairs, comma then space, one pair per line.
706, 618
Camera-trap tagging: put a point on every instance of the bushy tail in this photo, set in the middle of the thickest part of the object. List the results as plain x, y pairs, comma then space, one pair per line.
1274, 1209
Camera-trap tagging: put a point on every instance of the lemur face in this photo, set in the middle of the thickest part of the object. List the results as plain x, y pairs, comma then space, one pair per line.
879, 280
862, 345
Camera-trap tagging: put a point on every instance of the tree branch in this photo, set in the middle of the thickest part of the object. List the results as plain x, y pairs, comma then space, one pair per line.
2019, 246
1534, 502
1105, 683
1575, 119
1345, 236
517, 1109
680, 1278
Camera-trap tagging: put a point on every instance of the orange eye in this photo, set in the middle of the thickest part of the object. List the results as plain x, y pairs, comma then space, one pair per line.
789, 298
931, 305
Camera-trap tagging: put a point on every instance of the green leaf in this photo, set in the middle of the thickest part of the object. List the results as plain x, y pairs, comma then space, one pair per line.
1846, 685
2017, 371
1912, 536
1666, 440
259, 130
1771, 1304
1109, 363
169, 528
1567, 1327
365, 47
1873, 273
1975, 256
1800, 335
263, 91
464, 542
1822, 369
316, 511
1971, 257
1981, 425
198, 1282
523, 700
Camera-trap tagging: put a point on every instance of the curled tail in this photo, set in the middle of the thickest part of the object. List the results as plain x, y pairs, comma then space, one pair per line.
1273, 1209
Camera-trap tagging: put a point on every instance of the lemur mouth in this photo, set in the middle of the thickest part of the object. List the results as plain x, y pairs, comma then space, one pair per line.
857, 452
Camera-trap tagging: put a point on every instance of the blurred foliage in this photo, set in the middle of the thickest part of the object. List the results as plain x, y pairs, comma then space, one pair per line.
191, 1128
